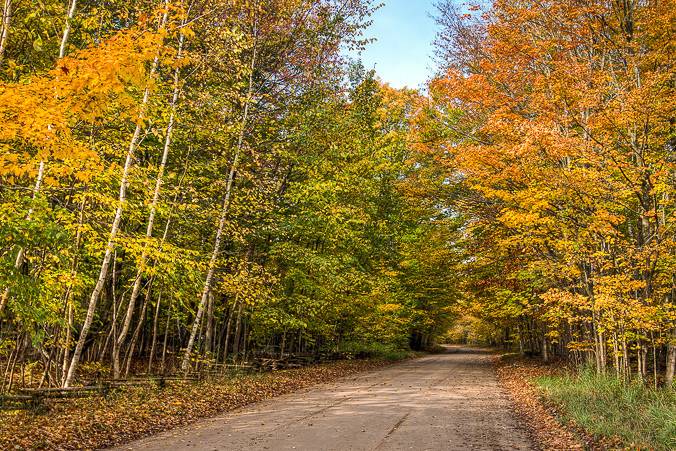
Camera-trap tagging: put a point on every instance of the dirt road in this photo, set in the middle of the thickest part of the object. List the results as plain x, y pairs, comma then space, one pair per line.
447, 401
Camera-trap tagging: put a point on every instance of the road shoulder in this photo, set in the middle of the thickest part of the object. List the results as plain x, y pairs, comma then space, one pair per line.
138, 412
540, 420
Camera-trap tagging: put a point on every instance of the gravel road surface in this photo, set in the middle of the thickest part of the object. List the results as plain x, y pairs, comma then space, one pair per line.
448, 401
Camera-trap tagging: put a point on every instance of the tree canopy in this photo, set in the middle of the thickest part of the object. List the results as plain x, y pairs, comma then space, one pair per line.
188, 183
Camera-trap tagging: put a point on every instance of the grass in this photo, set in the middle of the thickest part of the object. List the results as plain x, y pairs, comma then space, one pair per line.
608, 408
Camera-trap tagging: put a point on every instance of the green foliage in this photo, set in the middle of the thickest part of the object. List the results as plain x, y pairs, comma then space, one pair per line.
375, 351
228, 118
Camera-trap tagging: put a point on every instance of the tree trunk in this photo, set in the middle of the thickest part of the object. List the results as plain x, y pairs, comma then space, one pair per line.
164, 343
20, 255
221, 223
282, 345
228, 328
671, 361
616, 355
238, 324
245, 341
4, 27
137, 331
545, 354
602, 353
66, 29
154, 339
122, 197
642, 357
151, 215
66, 345
209, 326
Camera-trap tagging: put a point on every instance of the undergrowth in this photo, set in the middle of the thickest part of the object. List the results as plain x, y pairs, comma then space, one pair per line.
378, 351
607, 407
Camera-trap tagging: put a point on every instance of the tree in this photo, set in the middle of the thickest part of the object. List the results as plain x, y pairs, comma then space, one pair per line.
560, 124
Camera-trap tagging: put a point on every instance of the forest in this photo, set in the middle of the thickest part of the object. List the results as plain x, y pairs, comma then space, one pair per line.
186, 183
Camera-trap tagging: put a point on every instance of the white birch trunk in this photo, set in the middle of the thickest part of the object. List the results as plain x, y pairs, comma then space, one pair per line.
122, 197
221, 222
20, 255
151, 218
66, 29
4, 31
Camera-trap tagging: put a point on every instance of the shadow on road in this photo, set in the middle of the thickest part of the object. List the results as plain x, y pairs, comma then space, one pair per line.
447, 401
466, 349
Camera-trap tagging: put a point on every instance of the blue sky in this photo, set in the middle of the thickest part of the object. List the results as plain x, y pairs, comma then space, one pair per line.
402, 54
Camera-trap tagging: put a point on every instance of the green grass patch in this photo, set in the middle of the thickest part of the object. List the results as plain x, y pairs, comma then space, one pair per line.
607, 407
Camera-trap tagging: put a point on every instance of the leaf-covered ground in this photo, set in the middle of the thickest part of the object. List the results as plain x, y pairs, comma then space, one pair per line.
540, 415
516, 375
132, 413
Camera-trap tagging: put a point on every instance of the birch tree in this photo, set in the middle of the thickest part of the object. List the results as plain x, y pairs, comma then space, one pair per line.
114, 228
